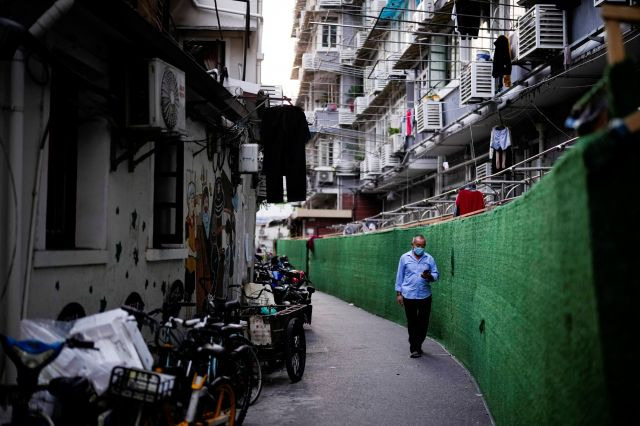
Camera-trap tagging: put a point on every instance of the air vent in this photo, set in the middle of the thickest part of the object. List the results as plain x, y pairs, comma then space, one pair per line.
476, 83
541, 30
432, 112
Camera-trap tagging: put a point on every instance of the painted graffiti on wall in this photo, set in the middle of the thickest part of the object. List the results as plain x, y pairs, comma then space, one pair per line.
209, 232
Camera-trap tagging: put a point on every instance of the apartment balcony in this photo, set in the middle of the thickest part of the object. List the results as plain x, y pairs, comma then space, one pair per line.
346, 117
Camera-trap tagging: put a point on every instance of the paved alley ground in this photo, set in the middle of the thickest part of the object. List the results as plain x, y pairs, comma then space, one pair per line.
359, 373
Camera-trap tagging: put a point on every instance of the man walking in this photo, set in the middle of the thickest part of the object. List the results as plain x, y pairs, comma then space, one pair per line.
416, 271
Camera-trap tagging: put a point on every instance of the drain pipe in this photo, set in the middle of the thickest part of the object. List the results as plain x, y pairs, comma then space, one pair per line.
14, 225
59, 9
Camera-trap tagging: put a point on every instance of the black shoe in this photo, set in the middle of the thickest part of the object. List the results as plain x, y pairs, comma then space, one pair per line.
415, 354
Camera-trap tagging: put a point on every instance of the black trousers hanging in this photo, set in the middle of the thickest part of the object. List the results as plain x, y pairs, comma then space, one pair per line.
418, 312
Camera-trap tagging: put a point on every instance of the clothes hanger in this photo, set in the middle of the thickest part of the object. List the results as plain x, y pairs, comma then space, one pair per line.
613, 16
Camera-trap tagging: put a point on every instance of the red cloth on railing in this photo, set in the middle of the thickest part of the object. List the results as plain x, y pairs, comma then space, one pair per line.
469, 201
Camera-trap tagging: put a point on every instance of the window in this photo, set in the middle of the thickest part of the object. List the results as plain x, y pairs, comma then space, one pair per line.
329, 34
63, 164
167, 194
438, 64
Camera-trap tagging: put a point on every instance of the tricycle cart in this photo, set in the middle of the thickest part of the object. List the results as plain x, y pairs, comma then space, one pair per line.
277, 333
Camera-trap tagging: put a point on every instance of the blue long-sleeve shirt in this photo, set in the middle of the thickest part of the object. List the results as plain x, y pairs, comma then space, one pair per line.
408, 278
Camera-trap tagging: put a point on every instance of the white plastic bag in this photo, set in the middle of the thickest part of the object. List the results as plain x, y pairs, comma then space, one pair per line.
116, 340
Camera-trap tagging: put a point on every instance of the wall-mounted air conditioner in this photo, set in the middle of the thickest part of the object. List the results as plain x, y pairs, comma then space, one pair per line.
476, 83
397, 142
347, 56
380, 81
373, 164
388, 159
155, 97
432, 112
483, 170
324, 175
540, 30
361, 103
346, 117
421, 124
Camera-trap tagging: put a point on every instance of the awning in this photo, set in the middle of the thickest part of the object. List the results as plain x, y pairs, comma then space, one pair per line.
321, 214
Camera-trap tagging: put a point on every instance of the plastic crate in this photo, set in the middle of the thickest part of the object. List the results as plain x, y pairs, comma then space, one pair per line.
140, 385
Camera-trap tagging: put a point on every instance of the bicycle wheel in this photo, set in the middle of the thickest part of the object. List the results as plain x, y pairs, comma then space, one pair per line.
218, 404
256, 369
295, 350
238, 369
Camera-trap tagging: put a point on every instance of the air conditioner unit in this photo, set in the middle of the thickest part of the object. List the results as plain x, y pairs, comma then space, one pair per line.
397, 142
476, 83
388, 159
540, 30
432, 112
155, 97
483, 170
347, 56
373, 164
324, 175
421, 123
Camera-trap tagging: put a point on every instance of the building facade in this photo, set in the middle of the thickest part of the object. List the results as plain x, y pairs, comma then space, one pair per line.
123, 182
430, 104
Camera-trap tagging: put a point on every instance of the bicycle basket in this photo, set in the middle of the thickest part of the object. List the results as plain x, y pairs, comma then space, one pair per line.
140, 385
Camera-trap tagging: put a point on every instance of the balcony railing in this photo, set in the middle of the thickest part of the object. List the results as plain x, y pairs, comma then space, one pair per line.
322, 62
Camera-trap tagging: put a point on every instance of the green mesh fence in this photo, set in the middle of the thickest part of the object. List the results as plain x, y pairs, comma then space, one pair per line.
521, 297
296, 250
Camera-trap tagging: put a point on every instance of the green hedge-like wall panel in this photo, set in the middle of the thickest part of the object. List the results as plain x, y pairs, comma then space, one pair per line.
516, 300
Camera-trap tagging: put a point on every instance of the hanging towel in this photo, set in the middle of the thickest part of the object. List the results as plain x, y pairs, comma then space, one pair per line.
409, 122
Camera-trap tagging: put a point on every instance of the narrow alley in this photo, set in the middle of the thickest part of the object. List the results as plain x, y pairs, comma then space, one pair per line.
358, 373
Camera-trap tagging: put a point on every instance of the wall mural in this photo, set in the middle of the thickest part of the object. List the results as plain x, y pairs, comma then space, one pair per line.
209, 232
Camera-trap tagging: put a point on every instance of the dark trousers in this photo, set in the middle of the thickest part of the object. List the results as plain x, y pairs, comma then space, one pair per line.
418, 311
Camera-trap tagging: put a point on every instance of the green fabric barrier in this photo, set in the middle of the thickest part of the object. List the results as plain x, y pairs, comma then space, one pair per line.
296, 250
524, 290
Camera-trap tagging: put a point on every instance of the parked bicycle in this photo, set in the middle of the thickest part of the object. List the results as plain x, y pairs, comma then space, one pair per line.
75, 393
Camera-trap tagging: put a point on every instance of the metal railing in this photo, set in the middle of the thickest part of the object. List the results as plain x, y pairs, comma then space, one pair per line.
442, 206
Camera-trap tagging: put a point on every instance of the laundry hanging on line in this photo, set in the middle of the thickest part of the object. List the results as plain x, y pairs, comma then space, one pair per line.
469, 200
500, 142
284, 133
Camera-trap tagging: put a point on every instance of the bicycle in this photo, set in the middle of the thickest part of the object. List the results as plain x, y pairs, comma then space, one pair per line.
197, 387
30, 357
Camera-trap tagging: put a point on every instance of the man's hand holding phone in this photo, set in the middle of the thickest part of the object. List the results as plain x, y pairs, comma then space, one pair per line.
426, 274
